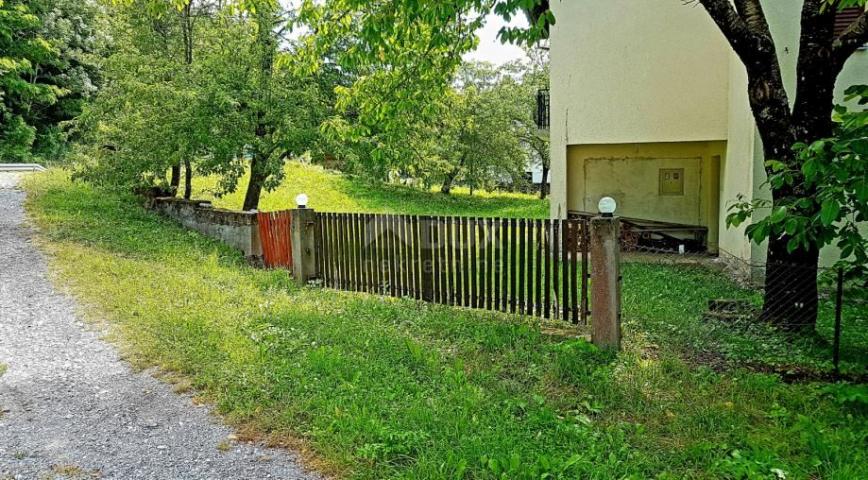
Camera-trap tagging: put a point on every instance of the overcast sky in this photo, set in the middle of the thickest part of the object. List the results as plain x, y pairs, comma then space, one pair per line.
490, 49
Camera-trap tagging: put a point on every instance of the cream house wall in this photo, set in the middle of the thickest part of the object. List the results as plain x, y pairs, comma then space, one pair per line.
627, 72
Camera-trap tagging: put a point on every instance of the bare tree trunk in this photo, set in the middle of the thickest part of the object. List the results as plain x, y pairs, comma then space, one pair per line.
446, 188
187, 29
188, 179
791, 298
257, 179
544, 184
175, 181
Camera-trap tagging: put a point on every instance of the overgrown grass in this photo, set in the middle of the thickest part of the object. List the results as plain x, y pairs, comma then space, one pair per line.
381, 388
332, 192
668, 301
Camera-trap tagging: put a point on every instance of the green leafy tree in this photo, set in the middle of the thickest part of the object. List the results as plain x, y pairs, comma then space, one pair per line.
141, 125
525, 78
485, 131
836, 170
405, 54
75, 30
202, 84
46, 73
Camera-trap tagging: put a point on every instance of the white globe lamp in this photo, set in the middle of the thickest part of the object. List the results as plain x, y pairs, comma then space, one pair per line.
607, 206
301, 200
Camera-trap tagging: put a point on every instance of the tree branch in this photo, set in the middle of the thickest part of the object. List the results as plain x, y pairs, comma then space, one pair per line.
747, 32
754, 16
854, 37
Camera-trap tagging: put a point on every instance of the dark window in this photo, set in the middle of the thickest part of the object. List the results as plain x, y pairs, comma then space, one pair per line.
543, 109
846, 18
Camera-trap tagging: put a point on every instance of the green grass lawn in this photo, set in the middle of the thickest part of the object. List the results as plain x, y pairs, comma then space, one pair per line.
380, 388
674, 314
333, 192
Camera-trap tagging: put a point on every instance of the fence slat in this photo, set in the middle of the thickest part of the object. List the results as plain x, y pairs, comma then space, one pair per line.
497, 266
465, 262
449, 245
353, 251
443, 286
335, 253
585, 273
401, 284
390, 255
547, 287
522, 271
414, 259
484, 271
565, 259
349, 279
360, 242
320, 249
474, 268
513, 242
574, 277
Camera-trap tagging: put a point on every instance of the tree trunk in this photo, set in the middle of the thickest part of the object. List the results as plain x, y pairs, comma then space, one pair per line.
544, 185
188, 179
257, 179
790, 286
187, 29
791, 277
446, 188
175, 181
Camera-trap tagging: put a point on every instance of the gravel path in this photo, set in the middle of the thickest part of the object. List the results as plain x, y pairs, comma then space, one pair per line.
71, 408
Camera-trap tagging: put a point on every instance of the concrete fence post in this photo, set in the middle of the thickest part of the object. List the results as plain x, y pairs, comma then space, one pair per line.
303, 228
605, 252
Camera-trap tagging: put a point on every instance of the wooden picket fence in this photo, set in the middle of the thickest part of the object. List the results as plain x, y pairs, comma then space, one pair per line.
275, 235
524, 266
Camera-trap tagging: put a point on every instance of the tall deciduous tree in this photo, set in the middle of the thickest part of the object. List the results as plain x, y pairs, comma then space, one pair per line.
47, 72
791, 273
477, 139
406, 53
203, 84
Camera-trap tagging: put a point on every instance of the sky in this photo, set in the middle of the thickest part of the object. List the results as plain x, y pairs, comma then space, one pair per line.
490, 49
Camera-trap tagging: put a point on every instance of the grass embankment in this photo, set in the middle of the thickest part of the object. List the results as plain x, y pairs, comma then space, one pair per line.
381, 388
333, 192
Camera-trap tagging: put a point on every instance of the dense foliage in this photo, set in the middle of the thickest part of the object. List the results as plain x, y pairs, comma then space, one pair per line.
203, 85
48, 70
227, 89
836, 170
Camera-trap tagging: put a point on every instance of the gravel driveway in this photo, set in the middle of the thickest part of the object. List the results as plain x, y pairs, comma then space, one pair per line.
71, 408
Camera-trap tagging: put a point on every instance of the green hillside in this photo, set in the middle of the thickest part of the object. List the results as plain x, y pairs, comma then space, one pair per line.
334, 192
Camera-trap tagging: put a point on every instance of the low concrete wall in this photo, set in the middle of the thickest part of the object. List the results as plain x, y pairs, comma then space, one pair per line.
237, 229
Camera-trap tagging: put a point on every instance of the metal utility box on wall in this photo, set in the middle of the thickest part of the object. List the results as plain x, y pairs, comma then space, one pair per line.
671, 181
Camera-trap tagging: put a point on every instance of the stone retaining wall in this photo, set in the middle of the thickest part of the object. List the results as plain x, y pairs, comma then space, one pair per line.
234, 228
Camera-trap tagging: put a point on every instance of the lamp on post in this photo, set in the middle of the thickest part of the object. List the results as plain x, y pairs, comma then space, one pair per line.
303, 229
604, 250
607, 207
301, 200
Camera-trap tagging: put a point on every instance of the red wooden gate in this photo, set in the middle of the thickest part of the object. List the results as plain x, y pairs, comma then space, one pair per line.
276, 238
